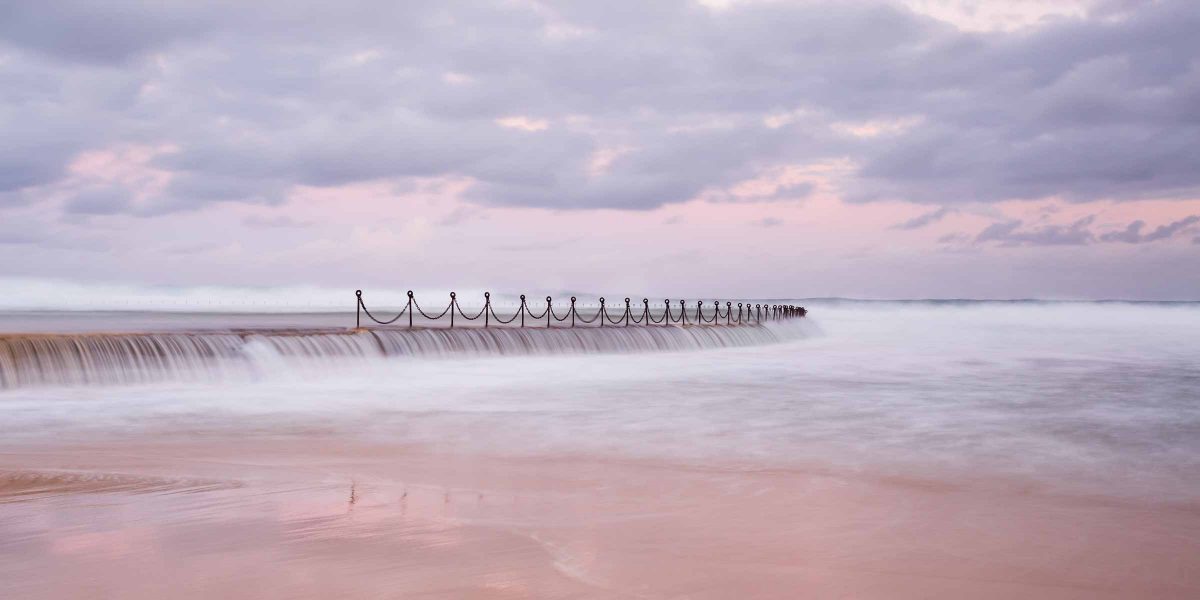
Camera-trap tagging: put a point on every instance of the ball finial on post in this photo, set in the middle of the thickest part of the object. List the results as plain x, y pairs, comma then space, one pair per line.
358, 309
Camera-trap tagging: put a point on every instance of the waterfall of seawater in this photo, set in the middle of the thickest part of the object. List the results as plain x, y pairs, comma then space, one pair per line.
74, 359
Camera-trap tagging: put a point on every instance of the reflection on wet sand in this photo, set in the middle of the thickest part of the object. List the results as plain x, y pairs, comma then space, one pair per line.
327, 518
18, 486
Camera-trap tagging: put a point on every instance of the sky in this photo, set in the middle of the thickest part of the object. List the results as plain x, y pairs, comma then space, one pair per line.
723, 148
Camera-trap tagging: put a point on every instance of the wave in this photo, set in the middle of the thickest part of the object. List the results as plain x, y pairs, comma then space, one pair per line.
85, 359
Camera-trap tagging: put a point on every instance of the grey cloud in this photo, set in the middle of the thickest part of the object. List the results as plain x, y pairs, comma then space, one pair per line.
79, 30
802, 189
192, 188
462, 214
188, 249
99, 201
18, 237
1132, 234
768, 222
951, 238
34, 151
1080, 108
924, 219
544, 245
795, 191
38, 234
1009, 234
278, 221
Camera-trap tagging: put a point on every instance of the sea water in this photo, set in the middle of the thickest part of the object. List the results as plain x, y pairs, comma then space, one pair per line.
1101, 399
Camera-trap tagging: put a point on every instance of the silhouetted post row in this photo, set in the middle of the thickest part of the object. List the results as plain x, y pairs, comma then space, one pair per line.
747, 314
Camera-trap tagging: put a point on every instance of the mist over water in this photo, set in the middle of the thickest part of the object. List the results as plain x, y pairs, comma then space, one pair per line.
1093, 398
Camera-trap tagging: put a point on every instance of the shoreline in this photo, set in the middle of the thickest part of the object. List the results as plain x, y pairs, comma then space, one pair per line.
572, 526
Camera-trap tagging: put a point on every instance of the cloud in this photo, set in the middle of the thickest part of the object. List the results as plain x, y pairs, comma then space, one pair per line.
36, 234
768, 222
461, 214
105, 200
18, 237
1078, 233
540, 245
1008, 233
954, 238
76, 30
1132, 234
763, 191
188, 249
278, 221
1076, 107
924, 219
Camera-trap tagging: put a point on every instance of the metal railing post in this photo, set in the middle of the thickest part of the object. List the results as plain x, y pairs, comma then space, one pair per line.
748, 313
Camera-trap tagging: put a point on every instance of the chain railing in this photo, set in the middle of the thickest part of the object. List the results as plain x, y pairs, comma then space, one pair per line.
747, 314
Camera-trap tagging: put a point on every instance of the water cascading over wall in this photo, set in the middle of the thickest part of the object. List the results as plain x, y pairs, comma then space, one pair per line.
78, 359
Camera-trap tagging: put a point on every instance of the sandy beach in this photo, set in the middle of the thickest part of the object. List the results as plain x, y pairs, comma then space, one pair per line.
314, 516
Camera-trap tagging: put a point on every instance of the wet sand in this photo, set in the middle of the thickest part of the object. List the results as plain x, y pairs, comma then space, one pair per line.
320, 516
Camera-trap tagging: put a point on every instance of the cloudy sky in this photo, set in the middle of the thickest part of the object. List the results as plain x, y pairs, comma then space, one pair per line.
930, 148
